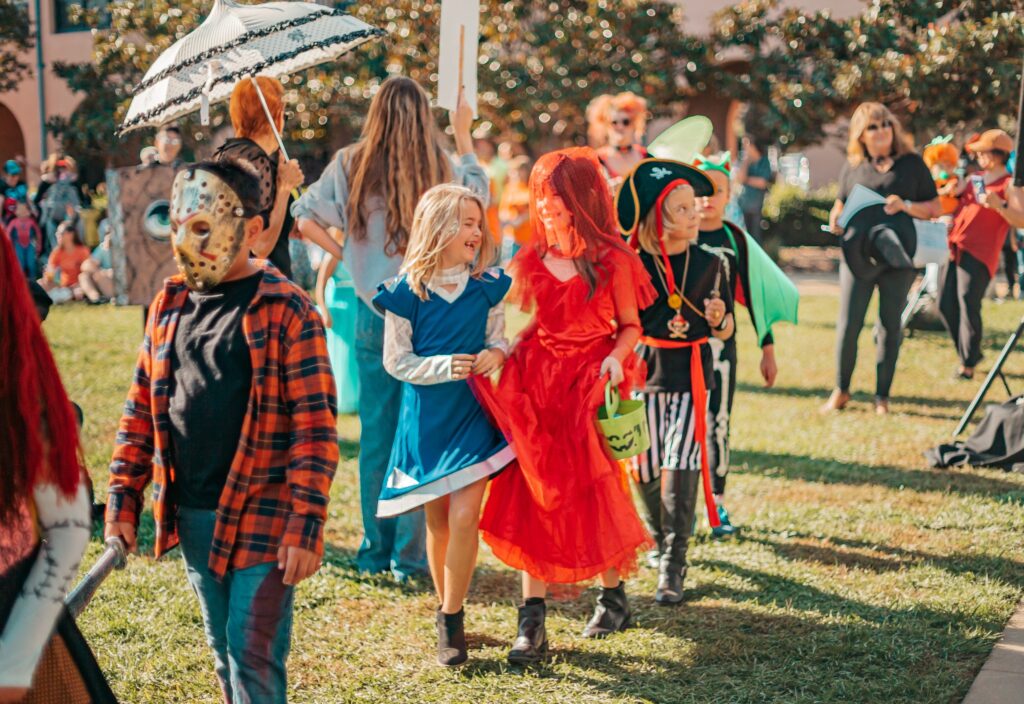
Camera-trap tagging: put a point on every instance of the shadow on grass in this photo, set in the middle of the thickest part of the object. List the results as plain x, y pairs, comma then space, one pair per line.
348, 449
882, 558
810, 469
700, 641
822, 393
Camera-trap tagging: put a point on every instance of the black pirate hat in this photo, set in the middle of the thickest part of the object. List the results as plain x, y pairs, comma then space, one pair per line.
874, 241
644, 185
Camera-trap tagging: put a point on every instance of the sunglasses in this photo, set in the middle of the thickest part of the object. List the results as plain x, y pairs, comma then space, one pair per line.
625, 122
873, 127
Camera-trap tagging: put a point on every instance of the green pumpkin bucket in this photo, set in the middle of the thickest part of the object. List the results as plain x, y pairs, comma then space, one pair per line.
624, 424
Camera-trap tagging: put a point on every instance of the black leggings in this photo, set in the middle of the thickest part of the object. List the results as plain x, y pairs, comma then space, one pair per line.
963, 287
854, 296
719, 411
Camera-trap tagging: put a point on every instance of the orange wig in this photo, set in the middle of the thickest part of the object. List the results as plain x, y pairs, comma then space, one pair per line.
247, 116
599, 115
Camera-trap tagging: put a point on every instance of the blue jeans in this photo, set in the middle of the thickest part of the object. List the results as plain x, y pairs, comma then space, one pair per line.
396, 544
247, 615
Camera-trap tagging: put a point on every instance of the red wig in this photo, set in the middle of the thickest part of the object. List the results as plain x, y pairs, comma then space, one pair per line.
575, 176
35, 413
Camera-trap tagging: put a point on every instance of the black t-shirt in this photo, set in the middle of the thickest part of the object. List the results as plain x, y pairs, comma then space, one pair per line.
669, 369
211, 380
909, 178
735, 270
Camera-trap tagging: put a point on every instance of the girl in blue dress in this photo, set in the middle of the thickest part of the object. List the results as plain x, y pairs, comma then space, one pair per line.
445, 323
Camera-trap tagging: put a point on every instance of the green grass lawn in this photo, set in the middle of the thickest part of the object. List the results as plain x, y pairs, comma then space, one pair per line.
860, 575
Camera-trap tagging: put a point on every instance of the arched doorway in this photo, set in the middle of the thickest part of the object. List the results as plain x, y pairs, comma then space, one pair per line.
13, 142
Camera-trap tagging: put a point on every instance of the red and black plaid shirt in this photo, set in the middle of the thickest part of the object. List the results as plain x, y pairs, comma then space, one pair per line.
279, 482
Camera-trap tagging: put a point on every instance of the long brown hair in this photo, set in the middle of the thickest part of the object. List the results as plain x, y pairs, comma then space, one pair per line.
38, 434
399, 156
864, 115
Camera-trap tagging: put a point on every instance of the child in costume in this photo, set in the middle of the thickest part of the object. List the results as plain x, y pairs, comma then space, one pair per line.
657, 209
562, 513
747, 266
44, 513
514, 211
231, 416
943, 160
27, 239
444, 322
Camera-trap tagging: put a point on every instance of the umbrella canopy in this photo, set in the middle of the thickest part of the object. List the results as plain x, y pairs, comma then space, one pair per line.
273, 39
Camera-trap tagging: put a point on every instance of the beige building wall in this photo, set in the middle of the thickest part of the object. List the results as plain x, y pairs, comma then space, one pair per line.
19, 109
825, 159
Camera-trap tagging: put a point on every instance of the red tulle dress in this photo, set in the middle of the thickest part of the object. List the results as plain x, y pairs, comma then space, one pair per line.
562, 512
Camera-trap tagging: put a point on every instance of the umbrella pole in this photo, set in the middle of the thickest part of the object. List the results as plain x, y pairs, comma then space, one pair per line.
270, 119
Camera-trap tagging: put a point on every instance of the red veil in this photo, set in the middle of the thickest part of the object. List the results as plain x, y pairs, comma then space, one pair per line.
33, 403
575, 176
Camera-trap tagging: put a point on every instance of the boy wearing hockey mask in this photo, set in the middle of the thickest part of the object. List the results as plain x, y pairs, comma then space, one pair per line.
231, 415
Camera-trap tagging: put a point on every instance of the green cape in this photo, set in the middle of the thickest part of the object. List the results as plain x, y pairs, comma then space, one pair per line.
771, 296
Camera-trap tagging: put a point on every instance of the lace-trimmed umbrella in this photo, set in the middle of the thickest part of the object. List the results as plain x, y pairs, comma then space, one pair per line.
236, 41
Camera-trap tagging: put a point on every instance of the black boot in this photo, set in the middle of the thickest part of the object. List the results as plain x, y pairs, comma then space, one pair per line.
612, 613
679, 490
531, 644
451, 638
650, 493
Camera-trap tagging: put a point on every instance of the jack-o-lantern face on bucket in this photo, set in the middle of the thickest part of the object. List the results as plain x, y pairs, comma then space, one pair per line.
207, 226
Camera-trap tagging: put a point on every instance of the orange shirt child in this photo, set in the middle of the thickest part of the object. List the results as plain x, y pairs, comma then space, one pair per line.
69, 261
514, 212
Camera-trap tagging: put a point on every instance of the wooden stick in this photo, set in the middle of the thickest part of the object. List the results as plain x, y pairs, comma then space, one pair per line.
462, 54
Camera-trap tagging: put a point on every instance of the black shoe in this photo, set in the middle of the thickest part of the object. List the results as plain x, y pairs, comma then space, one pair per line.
612, 613
670, 588
531, 644
451, 638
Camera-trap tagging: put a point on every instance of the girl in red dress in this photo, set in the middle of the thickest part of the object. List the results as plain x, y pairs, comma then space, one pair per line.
562, 513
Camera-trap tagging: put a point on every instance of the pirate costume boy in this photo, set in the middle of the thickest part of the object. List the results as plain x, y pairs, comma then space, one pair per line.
675, 348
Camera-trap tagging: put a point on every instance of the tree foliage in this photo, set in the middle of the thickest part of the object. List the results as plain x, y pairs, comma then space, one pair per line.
941, 64
15, 39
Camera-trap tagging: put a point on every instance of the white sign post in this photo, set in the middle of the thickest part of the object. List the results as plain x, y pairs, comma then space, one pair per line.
460, 29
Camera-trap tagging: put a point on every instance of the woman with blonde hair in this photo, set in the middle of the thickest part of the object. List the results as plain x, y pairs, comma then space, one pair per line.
445, 322
615, 128
879, 157
255, 144
369, 193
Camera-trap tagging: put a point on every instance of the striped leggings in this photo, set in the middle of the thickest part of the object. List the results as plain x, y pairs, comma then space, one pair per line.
672, 425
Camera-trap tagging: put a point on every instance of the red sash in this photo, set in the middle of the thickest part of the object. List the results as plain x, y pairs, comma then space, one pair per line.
700, 407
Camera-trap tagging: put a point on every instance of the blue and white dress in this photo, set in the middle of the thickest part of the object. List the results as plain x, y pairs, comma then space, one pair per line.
444, 441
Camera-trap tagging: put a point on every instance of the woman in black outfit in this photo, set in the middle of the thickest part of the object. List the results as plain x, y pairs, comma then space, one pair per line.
255, 143
879, 157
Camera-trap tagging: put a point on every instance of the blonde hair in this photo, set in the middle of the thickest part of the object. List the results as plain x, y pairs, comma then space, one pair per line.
398, 157
436, 222
864, 115
647, 233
